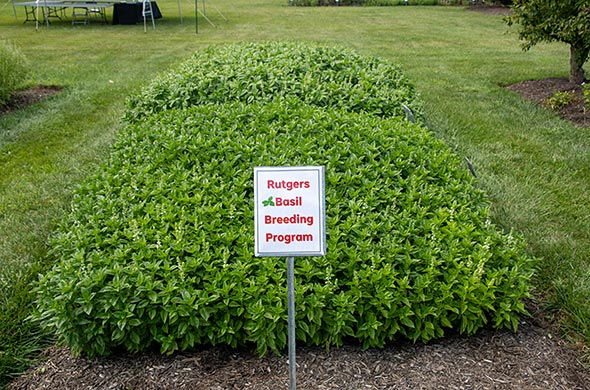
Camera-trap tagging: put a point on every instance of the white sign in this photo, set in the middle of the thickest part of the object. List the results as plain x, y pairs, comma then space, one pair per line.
289, 211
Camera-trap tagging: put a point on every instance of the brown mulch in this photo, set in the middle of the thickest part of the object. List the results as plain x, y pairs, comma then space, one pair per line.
541, 90
23, 98
528, 359
532, 358
491, 9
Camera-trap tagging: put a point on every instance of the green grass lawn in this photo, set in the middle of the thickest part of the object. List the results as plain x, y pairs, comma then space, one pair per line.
534, 166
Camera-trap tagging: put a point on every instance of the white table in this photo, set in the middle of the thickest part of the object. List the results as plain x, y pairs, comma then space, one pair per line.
82, 12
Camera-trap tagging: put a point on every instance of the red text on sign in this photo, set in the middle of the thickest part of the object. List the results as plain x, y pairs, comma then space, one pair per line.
287, 185
294, 219
289, 238
296, 201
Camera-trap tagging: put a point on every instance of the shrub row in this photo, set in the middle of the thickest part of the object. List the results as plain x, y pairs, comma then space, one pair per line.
264, 72
158, 248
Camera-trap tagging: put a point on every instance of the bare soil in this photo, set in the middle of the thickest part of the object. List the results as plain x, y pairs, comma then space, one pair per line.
540, 91
529, 359
533, 358
492, 9
26, 97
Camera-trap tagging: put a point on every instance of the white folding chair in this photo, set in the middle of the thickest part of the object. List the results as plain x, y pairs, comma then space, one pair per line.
146, 12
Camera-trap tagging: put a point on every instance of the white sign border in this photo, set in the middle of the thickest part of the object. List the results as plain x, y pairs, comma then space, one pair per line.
322, 211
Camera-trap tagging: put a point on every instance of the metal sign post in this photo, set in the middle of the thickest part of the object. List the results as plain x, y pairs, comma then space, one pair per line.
289, 220
291, 321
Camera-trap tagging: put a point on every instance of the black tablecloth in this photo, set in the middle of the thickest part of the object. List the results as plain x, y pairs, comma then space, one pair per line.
130, 13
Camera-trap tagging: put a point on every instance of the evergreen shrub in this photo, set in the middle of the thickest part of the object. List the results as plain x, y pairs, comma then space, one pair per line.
13, 70
272, 71
158, 248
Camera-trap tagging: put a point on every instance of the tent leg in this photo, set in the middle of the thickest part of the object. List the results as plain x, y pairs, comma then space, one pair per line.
207, 19
179, 11
219, 12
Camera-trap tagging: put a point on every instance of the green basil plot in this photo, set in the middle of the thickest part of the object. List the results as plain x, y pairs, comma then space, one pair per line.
263, 72
158, 248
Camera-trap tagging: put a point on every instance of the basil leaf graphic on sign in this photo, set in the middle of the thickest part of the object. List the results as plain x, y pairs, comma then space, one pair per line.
268, 202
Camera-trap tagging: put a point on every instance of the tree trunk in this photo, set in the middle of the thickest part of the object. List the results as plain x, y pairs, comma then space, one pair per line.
576, 66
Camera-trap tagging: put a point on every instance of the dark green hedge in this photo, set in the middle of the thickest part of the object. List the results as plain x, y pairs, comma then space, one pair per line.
158, 247
264, 72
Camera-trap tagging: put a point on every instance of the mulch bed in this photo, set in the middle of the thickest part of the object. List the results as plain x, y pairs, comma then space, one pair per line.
529, 359
26, 97
540, 91
491, 9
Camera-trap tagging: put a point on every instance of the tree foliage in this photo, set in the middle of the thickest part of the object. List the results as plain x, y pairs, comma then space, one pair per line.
566, 21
